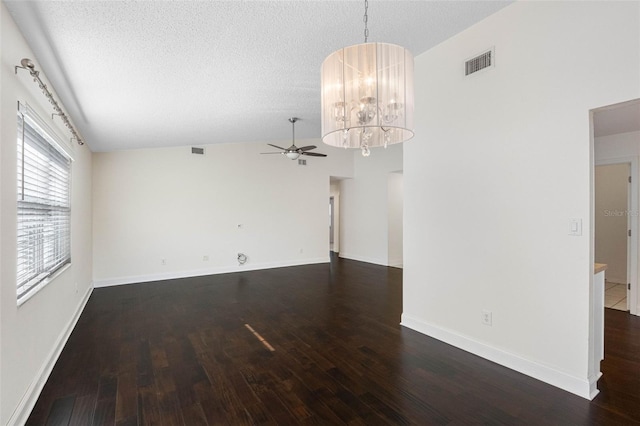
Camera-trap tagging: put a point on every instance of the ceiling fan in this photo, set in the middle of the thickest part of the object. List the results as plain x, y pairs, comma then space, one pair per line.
293, 152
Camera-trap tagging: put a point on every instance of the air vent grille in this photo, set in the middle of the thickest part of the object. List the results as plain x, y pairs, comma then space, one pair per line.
478, 63
302, 162
197, 151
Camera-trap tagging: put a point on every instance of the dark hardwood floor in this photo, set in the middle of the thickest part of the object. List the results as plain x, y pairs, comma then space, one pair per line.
178, 353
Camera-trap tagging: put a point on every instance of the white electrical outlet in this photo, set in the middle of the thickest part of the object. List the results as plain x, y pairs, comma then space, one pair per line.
487, 317
205, 258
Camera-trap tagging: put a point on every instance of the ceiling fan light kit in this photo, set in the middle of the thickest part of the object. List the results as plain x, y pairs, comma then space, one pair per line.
367, 95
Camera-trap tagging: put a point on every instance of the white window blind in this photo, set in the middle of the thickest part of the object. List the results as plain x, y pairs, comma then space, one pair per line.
44, 204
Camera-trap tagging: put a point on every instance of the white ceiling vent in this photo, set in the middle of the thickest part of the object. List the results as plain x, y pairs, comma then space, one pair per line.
197, 151
480, 62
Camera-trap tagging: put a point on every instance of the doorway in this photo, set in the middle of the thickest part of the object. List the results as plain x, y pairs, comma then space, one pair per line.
395, 202
334, 214
616, 143
612, 185
331, 222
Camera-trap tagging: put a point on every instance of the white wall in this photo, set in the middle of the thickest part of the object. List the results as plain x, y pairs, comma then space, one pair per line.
611, 217
500, 162
364, 205
169, 204
33, 334
395, 195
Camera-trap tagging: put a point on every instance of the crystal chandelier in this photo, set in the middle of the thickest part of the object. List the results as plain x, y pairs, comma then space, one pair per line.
367, 95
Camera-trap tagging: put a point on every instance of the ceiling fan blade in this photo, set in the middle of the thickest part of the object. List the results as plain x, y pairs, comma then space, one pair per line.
313, 154
276, 146
307, 148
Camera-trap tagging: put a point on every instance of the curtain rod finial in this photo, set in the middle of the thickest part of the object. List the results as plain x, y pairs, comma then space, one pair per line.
27, 63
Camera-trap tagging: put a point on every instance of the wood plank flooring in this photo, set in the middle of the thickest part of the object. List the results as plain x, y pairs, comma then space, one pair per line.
178, 353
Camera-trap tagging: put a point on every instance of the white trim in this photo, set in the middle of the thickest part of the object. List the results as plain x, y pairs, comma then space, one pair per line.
585, 388
382, 262
201, 272
30, 397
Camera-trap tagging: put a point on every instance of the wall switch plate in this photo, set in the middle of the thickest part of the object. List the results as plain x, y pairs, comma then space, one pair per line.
487, 317
575, 226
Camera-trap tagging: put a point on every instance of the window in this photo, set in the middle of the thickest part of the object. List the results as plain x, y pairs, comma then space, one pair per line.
44, 204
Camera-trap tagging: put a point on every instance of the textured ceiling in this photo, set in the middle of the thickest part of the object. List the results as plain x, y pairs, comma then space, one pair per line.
167, 73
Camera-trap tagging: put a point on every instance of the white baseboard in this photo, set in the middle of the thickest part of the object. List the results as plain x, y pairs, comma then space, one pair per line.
593, 386
30, 397
382, 262
581, 387
208, 271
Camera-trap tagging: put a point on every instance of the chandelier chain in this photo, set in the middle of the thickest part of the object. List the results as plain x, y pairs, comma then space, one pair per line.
365, 19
